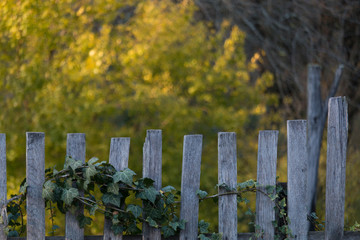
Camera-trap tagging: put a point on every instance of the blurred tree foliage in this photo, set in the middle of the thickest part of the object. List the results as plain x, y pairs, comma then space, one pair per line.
116, 68
289, 35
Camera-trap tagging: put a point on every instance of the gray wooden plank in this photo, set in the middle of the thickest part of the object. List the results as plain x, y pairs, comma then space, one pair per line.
190, 183
3, 182
75, 148
35, 177
119, 158
335, 168
152, 160
316, 122
119, 152
297, 178
266, 175
227, 174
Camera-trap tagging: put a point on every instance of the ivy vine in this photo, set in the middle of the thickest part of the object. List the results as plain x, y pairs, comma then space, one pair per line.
80, 185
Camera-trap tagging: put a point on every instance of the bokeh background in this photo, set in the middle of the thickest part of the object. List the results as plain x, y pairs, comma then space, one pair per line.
115, 68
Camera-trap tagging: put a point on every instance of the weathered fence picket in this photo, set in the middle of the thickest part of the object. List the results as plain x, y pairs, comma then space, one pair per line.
297, 185
335, 168
119, 158
266, 175
35, 177
227, 174
190, 183
76, 148
152, 160
316, 121
297, 178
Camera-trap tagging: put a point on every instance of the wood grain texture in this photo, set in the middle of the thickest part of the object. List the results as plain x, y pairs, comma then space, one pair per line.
227, 174
75, 148
119, 158
335, 168
3, 182
297, 178
35, 177
152, 161
190, 183
316, 123
266, 175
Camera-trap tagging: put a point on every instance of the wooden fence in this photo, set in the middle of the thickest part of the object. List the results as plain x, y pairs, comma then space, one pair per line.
227, 173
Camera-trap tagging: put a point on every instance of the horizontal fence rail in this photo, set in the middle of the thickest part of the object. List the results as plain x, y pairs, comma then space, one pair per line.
297, 185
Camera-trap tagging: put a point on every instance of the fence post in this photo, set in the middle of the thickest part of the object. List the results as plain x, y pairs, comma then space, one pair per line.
75, 148
35, 177
152, 160
3, 182
297, 178
316, 122
335, 168
266, 175
227, 174
119, 158
190, 183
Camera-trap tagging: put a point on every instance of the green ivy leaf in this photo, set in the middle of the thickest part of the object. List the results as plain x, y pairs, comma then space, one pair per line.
92, 160
182, 224
100, 163
85, 184
55, 171
203, 226
201, 194
250, 183
167, 231
247, 184
225, 187
125, 176
89, 172
109, 198
23, 188
68, 195
13, 233
153, 212
133, 229
216, 236
113, 188
54, 227
72, 163
115, 219
168, 189
117, 229
93, 209
270, 189
174, 225
355, 227
282, 204
48, 190
152, 222
149, 194
241, 185
83, 221
134, 209
170, 199
148, 182
249, 213
203, 237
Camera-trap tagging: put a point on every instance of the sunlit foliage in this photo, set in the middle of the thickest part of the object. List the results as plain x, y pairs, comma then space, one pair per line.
116, 68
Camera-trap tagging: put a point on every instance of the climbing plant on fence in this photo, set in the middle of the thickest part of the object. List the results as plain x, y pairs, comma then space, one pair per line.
77, 185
